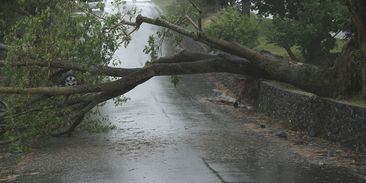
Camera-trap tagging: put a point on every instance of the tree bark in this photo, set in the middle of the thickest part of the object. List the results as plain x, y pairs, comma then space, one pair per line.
357, 9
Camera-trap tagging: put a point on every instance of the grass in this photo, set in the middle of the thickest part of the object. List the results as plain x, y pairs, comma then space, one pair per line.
276, 50
273, 48
339, 45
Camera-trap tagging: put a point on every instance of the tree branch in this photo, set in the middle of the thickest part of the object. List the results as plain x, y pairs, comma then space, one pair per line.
184, 56
163, 23
183, 63
95, 69
199, 26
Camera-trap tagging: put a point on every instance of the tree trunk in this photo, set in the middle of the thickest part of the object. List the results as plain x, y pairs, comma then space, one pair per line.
357, 9
363, 71
313, 53
291, 54
301, 75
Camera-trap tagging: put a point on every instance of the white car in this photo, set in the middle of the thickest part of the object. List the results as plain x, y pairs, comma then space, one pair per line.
95, 6
69, 79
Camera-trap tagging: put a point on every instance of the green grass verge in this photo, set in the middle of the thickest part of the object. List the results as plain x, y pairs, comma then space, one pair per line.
273, 48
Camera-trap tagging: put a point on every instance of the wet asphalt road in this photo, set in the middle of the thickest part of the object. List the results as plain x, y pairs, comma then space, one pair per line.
172, 135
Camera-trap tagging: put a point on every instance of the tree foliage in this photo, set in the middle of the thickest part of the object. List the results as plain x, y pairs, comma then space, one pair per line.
231, 25
57, 32
311, 25
13, 10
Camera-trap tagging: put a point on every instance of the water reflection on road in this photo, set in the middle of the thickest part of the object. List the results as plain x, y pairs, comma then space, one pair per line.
152, 120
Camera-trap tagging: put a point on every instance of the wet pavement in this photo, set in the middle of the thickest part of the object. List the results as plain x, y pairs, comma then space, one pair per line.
168, 134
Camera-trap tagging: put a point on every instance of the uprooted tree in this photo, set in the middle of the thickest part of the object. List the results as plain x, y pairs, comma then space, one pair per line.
55, 40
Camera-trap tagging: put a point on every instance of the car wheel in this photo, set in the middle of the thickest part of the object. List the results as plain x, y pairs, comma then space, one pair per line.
70, 80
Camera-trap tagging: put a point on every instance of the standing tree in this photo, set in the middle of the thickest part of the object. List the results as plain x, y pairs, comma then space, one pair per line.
312, 25
357, 8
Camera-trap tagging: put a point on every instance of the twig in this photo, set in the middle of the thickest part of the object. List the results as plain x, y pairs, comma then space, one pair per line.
200, 14
192, 22
195, 6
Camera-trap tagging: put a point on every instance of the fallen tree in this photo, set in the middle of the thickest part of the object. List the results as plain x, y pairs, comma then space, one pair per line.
237, 59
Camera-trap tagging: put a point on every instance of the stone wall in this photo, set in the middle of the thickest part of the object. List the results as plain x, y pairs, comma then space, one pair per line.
334, 120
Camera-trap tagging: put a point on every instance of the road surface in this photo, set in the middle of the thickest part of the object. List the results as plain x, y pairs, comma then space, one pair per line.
171, 135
